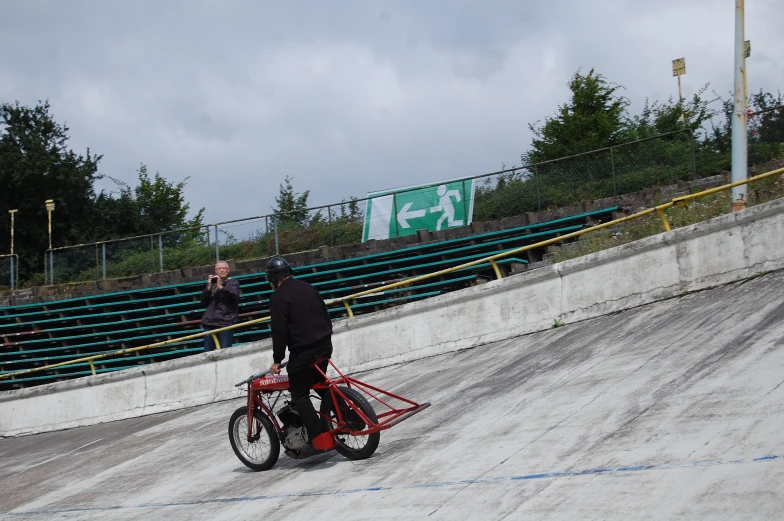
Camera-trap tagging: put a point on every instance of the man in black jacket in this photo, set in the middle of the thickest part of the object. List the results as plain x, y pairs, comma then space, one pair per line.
300, 320
221, 295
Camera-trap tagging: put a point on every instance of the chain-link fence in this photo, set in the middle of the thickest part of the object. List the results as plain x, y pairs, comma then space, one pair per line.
765, 142
331, 225
301, 230
255, 237
593, 175
246, 238
9, 272
625, 168
128, 257
766, 135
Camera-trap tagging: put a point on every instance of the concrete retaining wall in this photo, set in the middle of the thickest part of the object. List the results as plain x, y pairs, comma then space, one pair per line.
714, 252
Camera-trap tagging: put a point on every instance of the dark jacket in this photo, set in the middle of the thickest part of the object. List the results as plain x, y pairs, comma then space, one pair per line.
299, 318
222, 304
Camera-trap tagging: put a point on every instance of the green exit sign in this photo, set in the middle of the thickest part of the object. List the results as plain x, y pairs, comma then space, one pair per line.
435, 207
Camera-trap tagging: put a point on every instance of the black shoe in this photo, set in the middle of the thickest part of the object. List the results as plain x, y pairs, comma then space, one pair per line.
307, 450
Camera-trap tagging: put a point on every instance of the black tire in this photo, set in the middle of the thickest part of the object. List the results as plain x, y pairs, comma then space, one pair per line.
345, 442
265, 434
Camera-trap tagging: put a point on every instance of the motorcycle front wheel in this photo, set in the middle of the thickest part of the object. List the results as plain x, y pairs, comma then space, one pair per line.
262, 451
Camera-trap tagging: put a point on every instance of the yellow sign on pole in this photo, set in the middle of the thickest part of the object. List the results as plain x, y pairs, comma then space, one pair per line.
679, 67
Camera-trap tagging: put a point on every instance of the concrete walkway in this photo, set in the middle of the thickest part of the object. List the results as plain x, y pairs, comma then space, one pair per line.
673, 410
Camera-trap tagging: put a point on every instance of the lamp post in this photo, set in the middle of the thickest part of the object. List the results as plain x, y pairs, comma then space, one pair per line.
679, 69
50, 209
12, 212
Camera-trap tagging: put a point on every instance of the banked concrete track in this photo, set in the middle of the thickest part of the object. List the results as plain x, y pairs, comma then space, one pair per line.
673, 410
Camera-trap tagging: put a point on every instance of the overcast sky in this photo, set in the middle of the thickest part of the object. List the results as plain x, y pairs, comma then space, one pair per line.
347, 97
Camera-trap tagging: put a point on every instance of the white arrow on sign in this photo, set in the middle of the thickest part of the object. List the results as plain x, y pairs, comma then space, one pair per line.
404, 215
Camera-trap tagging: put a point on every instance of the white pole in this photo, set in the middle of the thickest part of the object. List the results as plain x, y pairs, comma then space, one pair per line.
739, 136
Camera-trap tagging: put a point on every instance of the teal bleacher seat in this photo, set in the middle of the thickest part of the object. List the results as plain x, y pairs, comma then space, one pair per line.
33, 335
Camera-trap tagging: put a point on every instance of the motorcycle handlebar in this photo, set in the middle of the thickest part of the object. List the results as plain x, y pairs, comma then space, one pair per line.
258, 375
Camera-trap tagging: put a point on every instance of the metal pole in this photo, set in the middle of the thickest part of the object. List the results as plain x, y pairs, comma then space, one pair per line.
612, 166
103, 259
693, 155
217, 245
394, 212
12, 212
739, 137
536, 182
160, 250
49, 209
277, 246
207, 232
266, 232
680, 97
465, 204
331, 231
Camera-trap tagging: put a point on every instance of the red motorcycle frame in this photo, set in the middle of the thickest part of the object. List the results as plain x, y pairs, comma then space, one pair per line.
346, 415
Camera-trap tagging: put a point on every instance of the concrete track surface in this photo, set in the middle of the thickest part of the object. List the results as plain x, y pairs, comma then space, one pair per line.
674, 410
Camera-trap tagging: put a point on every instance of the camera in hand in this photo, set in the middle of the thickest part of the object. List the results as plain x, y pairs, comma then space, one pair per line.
214, 280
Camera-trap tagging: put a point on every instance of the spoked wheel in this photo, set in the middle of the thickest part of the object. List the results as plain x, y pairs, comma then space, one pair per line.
357, 443
262, 452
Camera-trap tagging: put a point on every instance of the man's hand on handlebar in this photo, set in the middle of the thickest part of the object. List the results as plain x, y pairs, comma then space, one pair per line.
275, 368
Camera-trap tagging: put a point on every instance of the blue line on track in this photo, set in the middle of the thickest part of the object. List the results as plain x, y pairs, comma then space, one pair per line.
479, 481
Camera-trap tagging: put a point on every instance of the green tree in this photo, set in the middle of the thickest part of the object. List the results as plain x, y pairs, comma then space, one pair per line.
349, 210
292, 206
115, 214
660, 118
162, 204
766, 125
594, 117
154, 205
36, 165
765, 133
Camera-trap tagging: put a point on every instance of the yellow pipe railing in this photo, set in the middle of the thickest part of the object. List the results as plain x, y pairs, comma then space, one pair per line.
659, 209
496, 269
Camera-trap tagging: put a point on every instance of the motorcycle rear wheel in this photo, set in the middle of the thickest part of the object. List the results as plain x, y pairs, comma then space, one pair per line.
357, 444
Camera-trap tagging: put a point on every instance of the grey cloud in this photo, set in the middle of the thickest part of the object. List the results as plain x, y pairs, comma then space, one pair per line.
346, 97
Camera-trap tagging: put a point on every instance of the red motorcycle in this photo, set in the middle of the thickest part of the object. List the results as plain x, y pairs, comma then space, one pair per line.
257, 430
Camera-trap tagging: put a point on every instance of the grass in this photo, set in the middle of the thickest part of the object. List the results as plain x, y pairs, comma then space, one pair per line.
699, 210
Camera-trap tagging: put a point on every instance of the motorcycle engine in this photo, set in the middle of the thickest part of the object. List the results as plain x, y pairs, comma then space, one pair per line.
296, 438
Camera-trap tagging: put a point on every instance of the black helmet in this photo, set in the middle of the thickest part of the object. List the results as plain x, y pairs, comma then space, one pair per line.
277, 269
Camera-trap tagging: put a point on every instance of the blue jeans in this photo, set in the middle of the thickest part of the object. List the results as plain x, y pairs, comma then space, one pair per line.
225, 338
